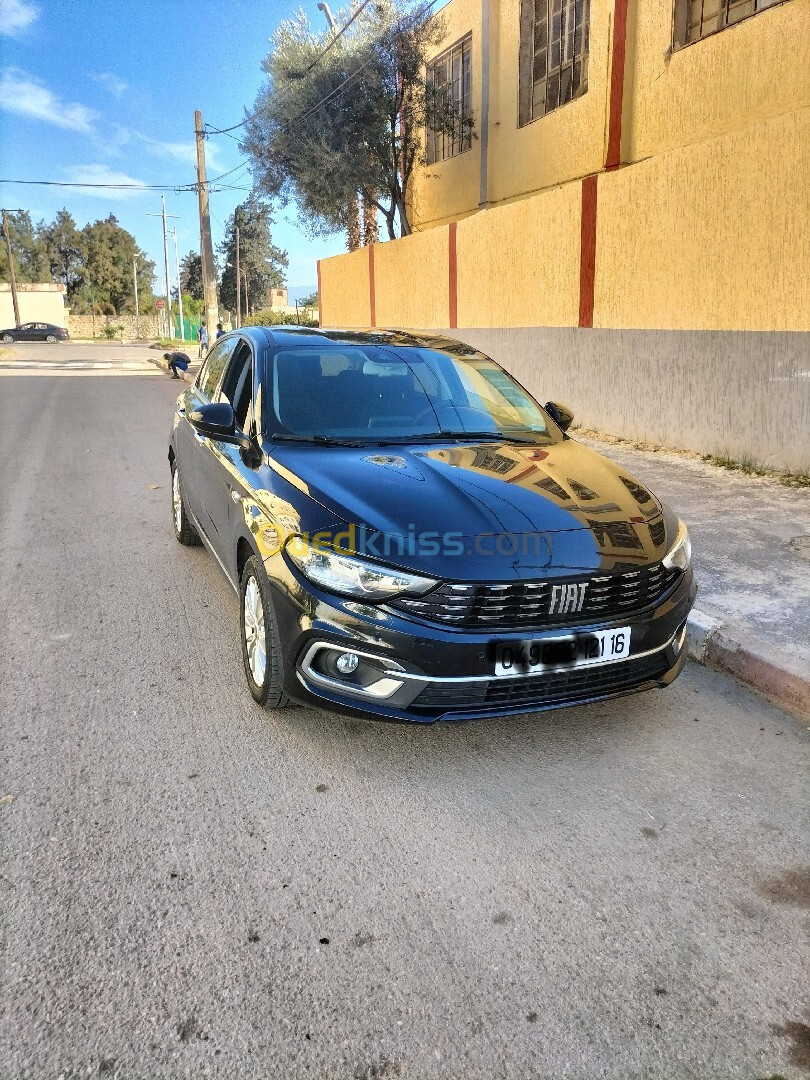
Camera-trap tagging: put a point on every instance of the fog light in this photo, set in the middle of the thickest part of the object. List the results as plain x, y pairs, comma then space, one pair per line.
347, 662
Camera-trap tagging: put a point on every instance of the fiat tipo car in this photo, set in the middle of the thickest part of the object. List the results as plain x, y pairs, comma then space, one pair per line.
412, 537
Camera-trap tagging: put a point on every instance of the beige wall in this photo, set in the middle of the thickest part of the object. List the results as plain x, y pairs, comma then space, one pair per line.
710, 236
344, 290
423, 296
38, 303
518, 264
758, 69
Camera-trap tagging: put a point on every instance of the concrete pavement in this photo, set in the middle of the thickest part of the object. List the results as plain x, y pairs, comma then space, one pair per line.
195, 887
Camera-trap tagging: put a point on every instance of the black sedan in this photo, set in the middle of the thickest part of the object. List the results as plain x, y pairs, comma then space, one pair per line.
413, 537
35, 331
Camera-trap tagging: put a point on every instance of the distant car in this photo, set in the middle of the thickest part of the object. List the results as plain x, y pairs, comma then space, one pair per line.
413, 537
35, 331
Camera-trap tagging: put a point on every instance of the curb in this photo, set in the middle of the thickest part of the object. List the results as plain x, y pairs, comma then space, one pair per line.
756, 664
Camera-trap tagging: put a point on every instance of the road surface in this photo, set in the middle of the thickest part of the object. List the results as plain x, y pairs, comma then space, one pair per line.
193, 887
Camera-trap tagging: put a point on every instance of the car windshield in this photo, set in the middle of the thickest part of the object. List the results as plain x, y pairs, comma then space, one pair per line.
375, 394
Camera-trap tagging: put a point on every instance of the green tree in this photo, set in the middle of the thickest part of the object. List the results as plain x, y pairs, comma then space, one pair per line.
261, 264
30, 262
108, 280
191, 276
63, 247
324, 130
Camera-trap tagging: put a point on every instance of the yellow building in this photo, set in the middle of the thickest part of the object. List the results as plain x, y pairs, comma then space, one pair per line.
629, 228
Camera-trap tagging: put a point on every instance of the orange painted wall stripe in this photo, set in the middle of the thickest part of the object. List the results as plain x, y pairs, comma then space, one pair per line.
587, 254
372, 300
452, 262
320, 301
614, 147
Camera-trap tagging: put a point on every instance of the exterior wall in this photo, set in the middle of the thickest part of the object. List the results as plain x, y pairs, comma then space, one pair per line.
425, 299
757, 69
86, 326
542, 235
41, 302
343, 287
710, 236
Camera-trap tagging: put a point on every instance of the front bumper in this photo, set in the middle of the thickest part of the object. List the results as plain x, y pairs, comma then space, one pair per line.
412, 670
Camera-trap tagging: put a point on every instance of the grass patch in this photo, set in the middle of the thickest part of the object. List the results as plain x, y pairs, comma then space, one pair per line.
753, 468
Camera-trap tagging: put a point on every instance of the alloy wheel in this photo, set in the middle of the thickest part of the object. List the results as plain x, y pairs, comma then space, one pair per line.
253, 618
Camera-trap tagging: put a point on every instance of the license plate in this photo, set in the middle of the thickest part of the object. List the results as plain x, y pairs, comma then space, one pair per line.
572, 651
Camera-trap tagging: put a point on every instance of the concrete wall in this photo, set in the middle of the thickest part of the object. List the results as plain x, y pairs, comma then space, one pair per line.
85, 326
743, 394
40, 302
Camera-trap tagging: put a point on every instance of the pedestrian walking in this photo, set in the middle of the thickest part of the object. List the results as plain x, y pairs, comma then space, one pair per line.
202, 337
177, 361
220, 330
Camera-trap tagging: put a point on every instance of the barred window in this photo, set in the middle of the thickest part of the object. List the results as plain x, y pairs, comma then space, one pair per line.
449, 87
554, 39
696, 19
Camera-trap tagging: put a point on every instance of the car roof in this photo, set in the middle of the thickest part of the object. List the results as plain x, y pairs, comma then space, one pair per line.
292, 336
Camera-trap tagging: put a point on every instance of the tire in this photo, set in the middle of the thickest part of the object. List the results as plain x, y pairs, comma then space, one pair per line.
184, 531
261, 645
51, 339
8, 339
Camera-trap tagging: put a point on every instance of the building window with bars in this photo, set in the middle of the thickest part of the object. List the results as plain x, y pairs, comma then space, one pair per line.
449, 102
696, 19
554, 38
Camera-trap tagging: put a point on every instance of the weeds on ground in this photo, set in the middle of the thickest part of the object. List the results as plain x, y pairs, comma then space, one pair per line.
753, 468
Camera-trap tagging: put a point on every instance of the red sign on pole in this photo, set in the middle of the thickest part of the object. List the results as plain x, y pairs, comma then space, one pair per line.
160, 304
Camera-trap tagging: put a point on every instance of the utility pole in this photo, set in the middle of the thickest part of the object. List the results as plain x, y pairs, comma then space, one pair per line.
137, 306
164, 215
179, 291
12, 281
206, 247
238, 285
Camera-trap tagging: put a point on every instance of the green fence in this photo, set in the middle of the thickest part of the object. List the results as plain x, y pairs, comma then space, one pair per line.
190, 328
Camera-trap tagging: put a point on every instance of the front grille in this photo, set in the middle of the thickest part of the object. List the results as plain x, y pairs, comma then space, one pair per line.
542, 691
525, 605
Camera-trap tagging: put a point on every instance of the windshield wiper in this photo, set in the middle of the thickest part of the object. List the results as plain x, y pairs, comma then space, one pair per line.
497, 436
316, 440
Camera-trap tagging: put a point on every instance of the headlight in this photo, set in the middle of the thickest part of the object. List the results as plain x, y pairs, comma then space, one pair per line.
351, 576
680, 554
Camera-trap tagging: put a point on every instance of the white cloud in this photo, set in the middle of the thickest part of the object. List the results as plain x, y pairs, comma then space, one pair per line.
117, 87
26, 96
184, 152
16, 15
102, 174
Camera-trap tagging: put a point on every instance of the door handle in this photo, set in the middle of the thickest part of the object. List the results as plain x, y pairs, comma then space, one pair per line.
199, 437
181, 410
235, 496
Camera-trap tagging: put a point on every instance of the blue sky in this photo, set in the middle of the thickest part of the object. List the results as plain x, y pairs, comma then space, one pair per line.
105, 91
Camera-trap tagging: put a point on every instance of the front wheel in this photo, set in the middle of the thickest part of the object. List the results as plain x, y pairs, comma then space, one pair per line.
184, 531
52, 338
261, 645
8, 338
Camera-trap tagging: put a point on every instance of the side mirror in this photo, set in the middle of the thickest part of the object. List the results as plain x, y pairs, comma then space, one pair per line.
560, 414
217, 422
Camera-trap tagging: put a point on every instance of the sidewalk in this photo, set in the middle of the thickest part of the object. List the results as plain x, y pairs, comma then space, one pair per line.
751, 556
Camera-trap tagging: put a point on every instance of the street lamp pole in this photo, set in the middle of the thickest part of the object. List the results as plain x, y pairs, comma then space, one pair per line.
179, 292
137, 306
238, 285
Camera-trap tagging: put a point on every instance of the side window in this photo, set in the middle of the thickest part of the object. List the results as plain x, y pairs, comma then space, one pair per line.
553, 61
208, 379
237, 386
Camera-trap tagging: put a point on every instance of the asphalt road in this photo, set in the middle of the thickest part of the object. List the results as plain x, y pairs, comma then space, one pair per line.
194, 887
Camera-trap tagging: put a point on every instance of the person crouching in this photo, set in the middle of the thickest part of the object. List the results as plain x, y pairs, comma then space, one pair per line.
177, 361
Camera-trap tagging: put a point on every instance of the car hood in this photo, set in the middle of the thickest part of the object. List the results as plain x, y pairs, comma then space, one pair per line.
588, 512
